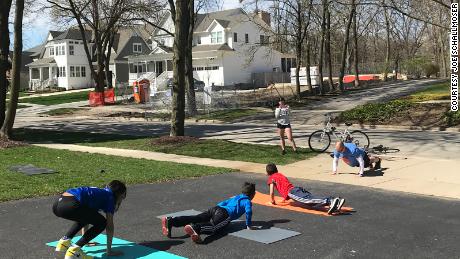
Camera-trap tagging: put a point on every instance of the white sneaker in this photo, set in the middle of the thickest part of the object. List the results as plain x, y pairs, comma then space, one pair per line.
75, 252
332, 206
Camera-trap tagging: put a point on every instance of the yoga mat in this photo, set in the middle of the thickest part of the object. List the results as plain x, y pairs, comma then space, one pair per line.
264, 199
237, 228
131, 250
181, 213
31, 170
262, 235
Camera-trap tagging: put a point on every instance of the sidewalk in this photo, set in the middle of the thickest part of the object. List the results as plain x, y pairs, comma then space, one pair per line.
433, 177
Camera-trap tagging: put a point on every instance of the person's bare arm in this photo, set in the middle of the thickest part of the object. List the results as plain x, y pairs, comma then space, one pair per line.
272, 193
335, 163
109, 231
361, 164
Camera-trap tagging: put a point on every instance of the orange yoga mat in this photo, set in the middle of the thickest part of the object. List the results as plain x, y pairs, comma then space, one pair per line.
264, 199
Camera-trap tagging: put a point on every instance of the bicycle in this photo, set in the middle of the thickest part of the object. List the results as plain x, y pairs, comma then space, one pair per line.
320, 140
380, 149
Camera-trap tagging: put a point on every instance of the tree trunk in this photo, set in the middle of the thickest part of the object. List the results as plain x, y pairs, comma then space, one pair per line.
321, 48
190, 87
7, 127
328, 49
108, 73
345, 46
307, 59
355, 38
5, 7
387, 52
181, 25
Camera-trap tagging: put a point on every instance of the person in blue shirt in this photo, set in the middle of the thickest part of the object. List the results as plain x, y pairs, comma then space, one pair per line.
82, 205
215, 218
354, 156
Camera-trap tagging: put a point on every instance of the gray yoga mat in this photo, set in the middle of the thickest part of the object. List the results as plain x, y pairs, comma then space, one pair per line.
237, 228
31, 170
181, 213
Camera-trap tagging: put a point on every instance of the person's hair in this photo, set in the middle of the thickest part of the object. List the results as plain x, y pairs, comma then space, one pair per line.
118, 188
271, 169
282, 100
249, 189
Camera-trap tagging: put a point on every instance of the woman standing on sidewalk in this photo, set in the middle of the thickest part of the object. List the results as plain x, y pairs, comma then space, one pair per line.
284, 125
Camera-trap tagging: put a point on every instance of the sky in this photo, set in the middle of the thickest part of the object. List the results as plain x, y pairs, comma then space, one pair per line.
36, 26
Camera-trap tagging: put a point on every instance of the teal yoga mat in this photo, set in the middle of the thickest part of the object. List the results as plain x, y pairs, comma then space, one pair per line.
131, 250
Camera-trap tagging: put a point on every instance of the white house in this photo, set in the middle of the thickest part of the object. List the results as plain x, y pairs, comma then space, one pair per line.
228, 47
61, 60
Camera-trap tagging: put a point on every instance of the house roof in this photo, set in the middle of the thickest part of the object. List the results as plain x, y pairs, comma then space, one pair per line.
212, 47
42, 61
54, 34
226, 18
72, 34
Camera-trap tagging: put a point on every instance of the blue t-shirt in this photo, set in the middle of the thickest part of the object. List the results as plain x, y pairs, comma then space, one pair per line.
96, 198
350, 154
237, 206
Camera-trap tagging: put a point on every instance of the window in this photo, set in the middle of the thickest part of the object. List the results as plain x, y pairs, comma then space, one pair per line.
72, 71
264, 39
246, 38
71, 50
215, 68
62, 50
52, 51
71, 42
216, 37
199, 40
83, 72
235, 37
137, 47
77, 71
61, 72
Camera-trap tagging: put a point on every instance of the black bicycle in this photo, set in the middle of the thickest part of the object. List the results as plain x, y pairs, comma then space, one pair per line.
320, 140
380, 149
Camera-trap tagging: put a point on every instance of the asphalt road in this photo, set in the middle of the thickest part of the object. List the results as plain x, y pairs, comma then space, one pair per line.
385, 224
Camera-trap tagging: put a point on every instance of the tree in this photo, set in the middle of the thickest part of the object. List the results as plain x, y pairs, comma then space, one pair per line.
7, 126
101, 18
345, 44
180, 14
355, 45
5, 7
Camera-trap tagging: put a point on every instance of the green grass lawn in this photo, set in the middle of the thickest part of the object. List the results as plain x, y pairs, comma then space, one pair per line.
436, 92
217, 149
57, 99
83, 169
63, 111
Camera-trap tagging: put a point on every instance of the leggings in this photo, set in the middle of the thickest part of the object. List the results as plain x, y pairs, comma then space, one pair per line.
68, 207
207, 222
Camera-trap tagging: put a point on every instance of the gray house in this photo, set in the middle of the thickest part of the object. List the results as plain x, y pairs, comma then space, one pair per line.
61, 60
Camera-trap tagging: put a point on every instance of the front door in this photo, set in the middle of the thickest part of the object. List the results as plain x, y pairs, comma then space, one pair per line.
159, 67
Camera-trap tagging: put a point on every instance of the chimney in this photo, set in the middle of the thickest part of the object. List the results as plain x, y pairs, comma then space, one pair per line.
265, 16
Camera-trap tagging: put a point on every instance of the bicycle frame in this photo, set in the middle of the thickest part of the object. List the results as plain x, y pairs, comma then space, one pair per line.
344, 135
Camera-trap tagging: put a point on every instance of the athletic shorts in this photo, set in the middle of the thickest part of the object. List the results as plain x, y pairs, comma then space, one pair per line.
280, 126
367, 161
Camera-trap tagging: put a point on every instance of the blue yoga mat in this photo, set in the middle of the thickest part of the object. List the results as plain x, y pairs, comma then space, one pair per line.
131, 250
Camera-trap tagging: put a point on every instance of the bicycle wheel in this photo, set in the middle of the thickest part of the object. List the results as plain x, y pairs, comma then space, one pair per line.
360, 138
319, 141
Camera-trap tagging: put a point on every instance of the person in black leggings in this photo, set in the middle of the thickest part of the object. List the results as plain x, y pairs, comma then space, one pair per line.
82, 205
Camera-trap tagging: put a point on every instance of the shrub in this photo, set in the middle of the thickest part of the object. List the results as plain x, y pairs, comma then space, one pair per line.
376, 112
452, 118
431, 69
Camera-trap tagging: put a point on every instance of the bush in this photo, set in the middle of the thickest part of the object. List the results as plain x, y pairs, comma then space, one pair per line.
431, 69
452, 118
375, 112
